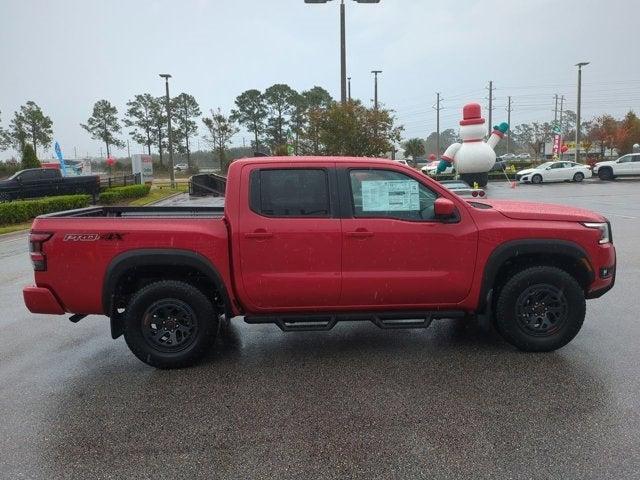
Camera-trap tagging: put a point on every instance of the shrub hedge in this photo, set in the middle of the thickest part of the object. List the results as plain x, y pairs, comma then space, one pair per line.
23, 210
117, 194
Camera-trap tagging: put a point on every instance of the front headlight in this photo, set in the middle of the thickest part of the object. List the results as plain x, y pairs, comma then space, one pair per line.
605, 231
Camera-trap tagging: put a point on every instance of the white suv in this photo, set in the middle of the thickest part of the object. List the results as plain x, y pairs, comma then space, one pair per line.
625, 165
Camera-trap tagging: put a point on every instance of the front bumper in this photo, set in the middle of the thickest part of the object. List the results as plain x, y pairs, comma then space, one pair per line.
606, 259
41, 300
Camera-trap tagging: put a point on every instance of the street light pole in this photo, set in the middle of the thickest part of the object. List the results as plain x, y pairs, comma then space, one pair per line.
579, 65
375, 87
343, 46
343, 56
172, 176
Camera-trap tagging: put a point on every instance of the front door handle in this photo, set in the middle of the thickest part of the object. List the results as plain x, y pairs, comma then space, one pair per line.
259, 234
360, 233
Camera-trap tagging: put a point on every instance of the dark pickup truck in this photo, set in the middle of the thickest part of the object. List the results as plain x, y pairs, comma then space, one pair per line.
46, 182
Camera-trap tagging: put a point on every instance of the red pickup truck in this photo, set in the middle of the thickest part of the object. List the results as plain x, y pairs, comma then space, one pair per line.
307, 242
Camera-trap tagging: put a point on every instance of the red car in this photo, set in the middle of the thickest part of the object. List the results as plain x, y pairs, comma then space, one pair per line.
307, 242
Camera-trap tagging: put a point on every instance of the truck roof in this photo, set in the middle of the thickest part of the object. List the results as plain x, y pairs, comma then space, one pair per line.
316, 159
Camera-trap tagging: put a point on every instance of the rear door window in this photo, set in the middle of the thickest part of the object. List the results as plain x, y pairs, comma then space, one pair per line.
290, 193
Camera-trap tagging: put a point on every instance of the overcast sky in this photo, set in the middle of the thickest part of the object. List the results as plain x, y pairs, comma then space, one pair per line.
66, 54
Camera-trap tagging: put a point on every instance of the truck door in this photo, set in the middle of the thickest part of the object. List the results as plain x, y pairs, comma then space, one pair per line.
290, 237
395, 253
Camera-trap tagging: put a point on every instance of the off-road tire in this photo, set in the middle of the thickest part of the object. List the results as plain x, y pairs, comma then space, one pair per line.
192, 307
512, 326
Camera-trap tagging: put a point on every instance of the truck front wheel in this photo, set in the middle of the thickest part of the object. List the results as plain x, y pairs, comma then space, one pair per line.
540, 309
170, 324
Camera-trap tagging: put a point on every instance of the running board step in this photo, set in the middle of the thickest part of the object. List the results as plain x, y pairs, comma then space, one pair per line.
324, 322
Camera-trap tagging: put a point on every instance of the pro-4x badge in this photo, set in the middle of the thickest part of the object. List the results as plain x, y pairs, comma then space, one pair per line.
92, 237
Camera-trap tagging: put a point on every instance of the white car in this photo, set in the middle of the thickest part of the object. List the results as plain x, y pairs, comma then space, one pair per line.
625, 165
402, 162
432, 167
554, 172
181, 167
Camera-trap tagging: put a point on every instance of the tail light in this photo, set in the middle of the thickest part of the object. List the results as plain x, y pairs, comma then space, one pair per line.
36, 252
474, 193
481, 193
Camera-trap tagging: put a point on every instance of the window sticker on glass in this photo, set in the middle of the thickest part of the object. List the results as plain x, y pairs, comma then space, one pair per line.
390, 196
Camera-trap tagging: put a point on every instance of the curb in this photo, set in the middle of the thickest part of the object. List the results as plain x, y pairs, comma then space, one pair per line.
17, 233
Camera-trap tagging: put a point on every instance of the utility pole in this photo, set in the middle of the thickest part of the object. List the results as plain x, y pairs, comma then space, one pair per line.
509, 122
349, 88
172, 176
560, 126
490, 102
555, 110
75, 153
437, 108
579, 65
375, 87
128, 150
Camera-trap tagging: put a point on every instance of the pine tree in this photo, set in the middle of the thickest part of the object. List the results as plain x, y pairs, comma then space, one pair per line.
29, 158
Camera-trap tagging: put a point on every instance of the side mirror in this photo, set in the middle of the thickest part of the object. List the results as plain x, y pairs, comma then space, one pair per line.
444, 208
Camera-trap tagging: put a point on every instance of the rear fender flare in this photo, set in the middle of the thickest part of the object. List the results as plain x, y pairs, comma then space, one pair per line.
133, 259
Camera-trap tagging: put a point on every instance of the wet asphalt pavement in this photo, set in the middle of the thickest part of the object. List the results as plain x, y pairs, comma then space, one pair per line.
355, 402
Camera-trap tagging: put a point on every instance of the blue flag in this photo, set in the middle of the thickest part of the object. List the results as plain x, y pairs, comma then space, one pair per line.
63, 167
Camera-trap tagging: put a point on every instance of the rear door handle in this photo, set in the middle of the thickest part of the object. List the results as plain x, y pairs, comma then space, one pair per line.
260, 234
360, 233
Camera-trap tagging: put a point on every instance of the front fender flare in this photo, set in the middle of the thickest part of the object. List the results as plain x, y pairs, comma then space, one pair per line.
515, 248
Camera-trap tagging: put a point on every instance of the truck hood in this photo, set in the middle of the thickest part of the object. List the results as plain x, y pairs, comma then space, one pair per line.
542, 211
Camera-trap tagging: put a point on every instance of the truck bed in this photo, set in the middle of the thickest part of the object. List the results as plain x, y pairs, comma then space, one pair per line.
141, 212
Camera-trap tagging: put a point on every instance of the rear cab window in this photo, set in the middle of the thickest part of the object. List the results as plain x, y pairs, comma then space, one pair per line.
290, 192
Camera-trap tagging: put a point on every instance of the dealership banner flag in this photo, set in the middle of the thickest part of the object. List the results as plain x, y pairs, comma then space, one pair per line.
63, 166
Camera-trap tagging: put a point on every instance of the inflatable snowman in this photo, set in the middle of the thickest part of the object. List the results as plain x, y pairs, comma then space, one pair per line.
473, 158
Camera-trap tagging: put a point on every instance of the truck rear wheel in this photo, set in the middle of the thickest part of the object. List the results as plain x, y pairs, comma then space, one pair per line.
170, 324
540, 309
